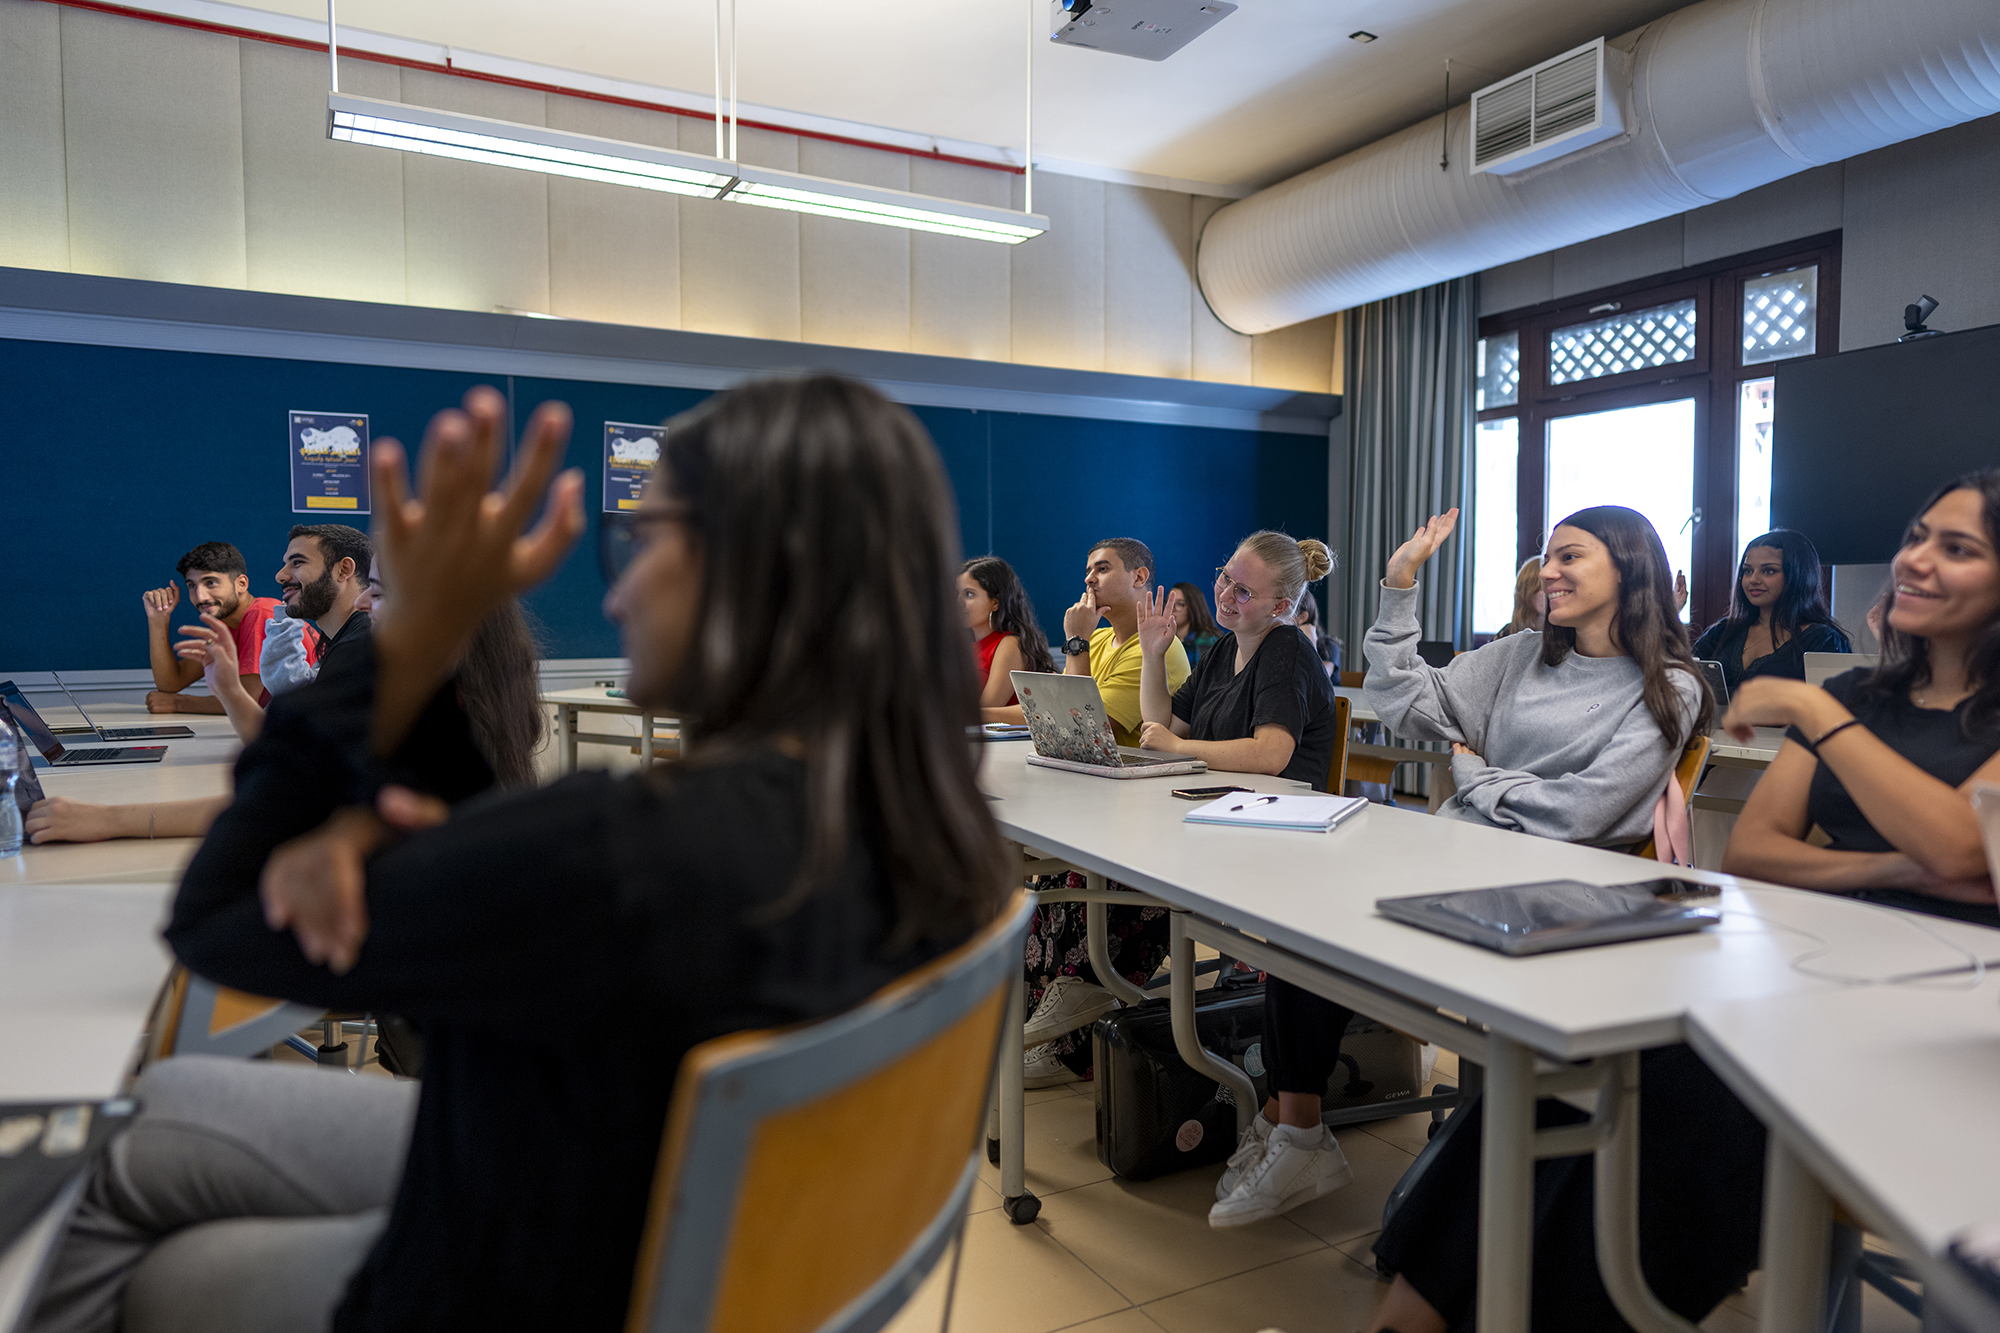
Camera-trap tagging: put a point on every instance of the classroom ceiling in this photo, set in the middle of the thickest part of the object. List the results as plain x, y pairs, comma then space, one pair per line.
1275, 88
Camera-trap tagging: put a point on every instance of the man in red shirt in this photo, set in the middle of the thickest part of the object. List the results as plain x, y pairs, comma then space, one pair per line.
218, 584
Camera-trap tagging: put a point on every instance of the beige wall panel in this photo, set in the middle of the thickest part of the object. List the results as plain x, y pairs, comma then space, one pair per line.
1636, 252
1218, 352
1922, 216
1802, 205
854, 277
475, 236
960, 298
320, 218
34, 197
1299, 357
740, 265
614, 251
153, 136
1148, 282
1058, 278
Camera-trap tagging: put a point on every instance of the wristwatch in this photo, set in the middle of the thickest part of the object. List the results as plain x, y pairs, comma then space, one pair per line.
1077, 646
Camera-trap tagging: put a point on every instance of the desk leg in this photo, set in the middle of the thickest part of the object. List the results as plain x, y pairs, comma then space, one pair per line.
646, 741
1798, 1218
1019, 1205
566, 721
1096, 922
1617, 1178
1507, 1188
1188, 1041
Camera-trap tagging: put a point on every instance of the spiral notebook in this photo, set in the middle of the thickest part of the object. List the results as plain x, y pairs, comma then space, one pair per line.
1305, 814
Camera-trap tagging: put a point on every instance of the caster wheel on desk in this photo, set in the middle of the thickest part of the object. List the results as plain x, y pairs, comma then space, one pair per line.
993, 1151
1023, 1210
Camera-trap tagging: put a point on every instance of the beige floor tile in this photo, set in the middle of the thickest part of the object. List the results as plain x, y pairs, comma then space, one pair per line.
1061, 1147
1033, 1095
1152, 1238
1447, 1067
1321, 1292
1012, 1280
1728, 1319
982, 1197
1361, 1249
1125, 1321
1357, 1209
1408, 1132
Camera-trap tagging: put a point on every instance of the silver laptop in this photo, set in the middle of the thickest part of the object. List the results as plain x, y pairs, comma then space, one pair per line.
1718, 683
1068, 724
1823, 667
55, 752
155, 733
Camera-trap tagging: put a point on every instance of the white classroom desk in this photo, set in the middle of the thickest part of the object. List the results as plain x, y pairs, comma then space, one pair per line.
1883, 1096
570, 705
1302, 905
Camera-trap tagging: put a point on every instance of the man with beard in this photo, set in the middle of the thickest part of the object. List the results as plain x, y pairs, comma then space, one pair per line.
324, 574
218, 584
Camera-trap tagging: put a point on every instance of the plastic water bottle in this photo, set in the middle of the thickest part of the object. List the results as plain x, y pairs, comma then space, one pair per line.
10, 809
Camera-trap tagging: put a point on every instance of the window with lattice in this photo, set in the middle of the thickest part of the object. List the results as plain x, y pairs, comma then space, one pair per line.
1781, 315
1499, 371
1639, 340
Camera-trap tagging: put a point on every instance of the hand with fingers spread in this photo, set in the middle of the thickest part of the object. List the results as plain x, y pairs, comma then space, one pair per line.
1422, 545
456, 549
213, 644
315, 885
1082, 617
1156, 623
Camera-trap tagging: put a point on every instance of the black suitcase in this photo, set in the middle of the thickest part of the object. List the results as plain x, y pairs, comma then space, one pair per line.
1156, 1116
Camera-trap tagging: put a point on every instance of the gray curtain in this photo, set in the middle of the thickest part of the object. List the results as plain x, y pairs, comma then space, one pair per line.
1407, 420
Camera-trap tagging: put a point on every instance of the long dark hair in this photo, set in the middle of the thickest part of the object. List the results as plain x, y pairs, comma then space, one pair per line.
1199, 620
1905, 663
1647, 628
1014, 614
1800, 602
829, 614
498, 689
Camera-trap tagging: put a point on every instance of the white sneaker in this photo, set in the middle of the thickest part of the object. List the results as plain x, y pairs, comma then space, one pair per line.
1043, 1068
1068, 1003
1249, 1151
1298, 1166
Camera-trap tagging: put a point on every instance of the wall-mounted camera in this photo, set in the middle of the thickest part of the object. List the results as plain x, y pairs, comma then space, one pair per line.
1914, 317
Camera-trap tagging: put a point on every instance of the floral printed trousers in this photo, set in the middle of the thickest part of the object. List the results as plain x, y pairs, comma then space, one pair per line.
1058, 946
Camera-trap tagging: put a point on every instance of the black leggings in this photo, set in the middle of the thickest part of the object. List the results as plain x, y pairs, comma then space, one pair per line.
1302, 1035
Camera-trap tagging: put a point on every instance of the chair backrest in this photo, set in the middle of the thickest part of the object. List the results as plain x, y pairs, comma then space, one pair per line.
1353, 678
197, 1017
1343, 729
1687, 773
809, 1177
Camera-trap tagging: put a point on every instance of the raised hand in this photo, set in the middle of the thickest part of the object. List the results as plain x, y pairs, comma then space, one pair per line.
1422, 545
1156, 623
160, 603
1680, 590
212, 644
1082, 617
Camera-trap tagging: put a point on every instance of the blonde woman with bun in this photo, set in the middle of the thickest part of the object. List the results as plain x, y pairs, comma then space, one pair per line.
1260, 702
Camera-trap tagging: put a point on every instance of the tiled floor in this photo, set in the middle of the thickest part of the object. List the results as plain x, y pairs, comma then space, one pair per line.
1115, 1256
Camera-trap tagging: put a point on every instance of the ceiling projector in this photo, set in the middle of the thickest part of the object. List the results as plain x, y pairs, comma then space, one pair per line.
1148, 29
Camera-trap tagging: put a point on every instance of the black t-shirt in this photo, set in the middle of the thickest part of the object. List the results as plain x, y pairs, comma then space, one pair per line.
337, 653
1284, 683
1723, 642
1933, 739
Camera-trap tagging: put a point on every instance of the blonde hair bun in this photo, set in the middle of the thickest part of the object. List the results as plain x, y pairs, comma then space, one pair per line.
1319, 560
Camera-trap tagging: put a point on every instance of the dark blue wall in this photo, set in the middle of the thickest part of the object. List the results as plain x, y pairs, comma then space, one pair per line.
118, 460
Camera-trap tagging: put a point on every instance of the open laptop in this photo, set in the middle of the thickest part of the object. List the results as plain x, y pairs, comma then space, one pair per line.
1067, 722
1718, 684
54, 751
158, 733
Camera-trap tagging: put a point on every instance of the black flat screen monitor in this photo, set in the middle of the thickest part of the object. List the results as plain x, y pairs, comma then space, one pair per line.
1861, 439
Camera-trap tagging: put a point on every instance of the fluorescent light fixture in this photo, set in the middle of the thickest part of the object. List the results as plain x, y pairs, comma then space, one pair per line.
500, 143
413, 129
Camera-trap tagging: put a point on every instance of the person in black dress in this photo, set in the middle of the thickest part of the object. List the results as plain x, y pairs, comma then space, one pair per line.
823, 835
1777, 613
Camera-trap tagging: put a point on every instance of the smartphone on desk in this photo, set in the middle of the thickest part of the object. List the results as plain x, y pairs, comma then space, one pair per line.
1675, 890
1206, 793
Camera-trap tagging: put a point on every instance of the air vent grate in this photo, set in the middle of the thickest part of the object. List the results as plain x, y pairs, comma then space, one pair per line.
1557, 107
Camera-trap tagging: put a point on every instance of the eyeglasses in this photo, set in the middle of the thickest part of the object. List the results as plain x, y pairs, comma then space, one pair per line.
1229, 590
618, 537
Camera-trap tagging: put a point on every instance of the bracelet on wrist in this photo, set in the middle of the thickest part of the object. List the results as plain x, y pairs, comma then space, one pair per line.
1833, 731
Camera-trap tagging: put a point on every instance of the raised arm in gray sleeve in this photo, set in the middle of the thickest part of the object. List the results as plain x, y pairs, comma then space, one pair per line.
1610, 798
1416, 699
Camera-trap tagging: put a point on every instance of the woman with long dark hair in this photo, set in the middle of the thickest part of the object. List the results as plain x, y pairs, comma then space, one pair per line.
1193, 626
1005, 634
1885, 760
785, 587
1777, 613
1569, 734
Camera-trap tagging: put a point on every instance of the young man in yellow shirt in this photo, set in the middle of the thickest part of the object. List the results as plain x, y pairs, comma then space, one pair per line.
1117, 575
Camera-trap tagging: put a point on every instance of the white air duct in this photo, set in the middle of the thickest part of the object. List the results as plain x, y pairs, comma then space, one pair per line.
1718, 98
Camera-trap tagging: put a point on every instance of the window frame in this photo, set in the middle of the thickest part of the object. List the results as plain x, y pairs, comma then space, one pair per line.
1714, 379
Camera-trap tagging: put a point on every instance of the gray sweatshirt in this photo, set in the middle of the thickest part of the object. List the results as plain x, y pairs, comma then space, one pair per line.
1567, 751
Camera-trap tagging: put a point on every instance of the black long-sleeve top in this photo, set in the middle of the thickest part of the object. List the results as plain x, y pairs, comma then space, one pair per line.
563, 949
1723, 642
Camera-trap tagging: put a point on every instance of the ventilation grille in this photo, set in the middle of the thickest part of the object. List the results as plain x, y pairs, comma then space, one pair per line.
1557, 107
